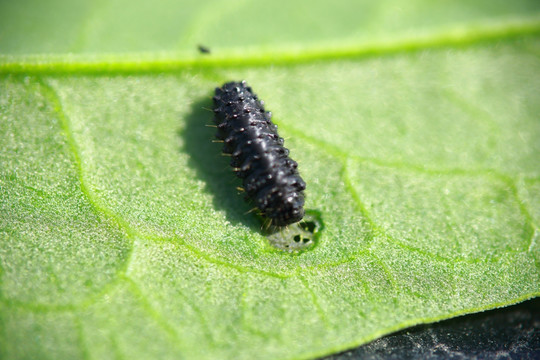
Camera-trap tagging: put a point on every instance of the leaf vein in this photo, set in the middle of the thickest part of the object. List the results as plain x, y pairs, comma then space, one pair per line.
320, 311
174, 62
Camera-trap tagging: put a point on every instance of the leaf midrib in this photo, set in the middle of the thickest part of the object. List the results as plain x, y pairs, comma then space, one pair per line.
458, 36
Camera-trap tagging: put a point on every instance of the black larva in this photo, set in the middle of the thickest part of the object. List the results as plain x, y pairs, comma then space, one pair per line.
270, 177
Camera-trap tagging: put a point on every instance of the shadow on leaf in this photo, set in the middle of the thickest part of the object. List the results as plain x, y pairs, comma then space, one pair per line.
212, 167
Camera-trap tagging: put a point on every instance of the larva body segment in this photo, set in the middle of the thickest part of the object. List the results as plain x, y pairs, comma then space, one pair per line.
270, 177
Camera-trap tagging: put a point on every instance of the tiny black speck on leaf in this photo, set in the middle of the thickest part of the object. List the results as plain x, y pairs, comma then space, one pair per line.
203, 49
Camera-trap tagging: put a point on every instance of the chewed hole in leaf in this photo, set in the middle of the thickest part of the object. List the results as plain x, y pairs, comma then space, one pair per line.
308, 226
298, 237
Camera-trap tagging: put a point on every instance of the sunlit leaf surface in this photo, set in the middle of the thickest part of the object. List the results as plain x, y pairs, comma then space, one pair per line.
416, 126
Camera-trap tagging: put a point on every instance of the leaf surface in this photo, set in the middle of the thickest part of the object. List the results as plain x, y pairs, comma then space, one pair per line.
415, 126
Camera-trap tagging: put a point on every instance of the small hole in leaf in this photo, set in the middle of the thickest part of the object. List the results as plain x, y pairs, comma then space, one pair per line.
298, 237
308, 226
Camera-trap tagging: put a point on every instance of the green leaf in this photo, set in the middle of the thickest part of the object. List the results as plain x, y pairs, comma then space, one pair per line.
121, 233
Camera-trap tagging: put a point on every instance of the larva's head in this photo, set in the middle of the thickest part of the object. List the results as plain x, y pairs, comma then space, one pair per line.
289, 210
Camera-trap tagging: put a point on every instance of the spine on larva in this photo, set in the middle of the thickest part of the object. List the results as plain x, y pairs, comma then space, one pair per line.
270, 177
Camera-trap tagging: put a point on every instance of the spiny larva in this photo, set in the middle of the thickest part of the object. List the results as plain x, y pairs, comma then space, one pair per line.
270, 178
